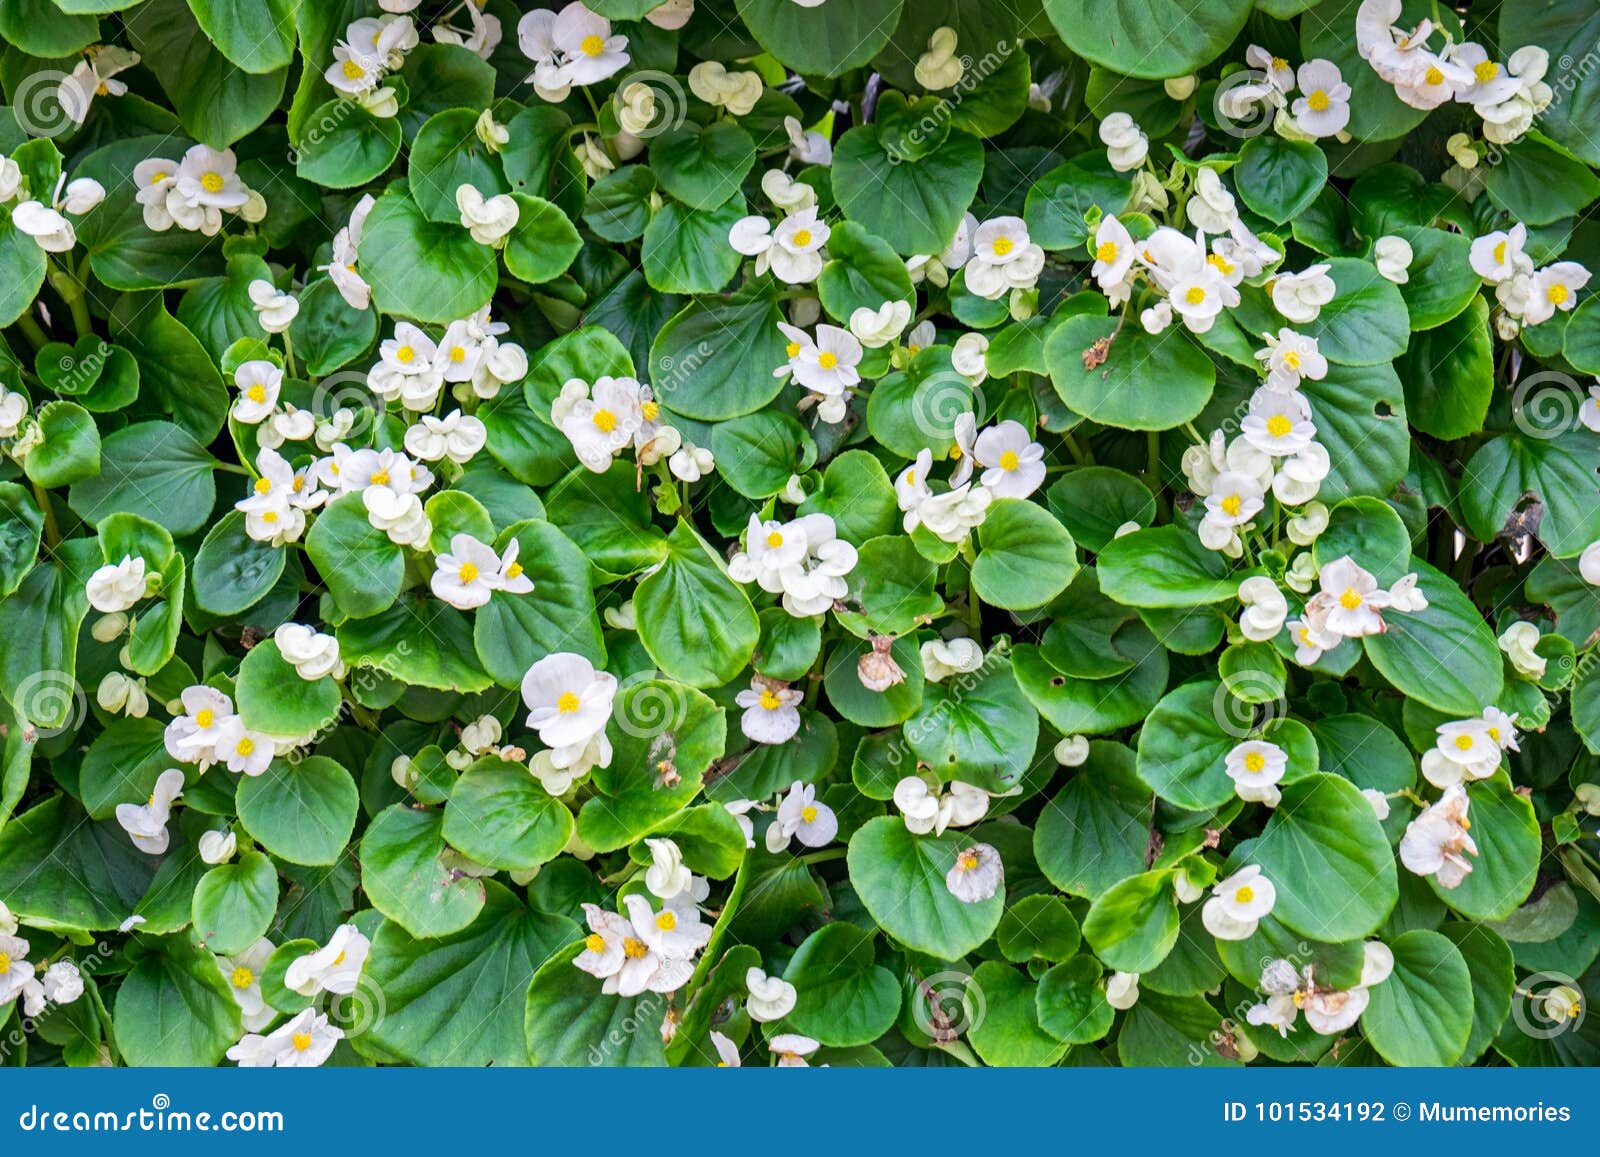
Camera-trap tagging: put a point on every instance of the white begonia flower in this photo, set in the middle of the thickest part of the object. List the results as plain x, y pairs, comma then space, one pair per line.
15, 971
466, 576
218, 847
241, 750
1300, 475
146, 823
117, 586
63, 983
457, 436
691, 463
481, 735
1301, 296
1114, 253
94, 76
1306, 527
589, 52
493, 135
79, 196
1518, 642
1278, 423
918, 804
786, 193
1350, 600
1502, 728
1290, 358
667, 876
1464, 751
1324, 108
1393, 256
801, 816
1013, 462
311, 653
192, 737
771, 711
569, 702
876, 328
304, 1042
806, 146
1497, 256
794, 250
953, 515
771, 997
1379, 802
1211, 208
976, 875
727, 1051
940, 67
1265, 609
243, 972
1589, 564
942, 658
49, 229
829, 365
1555, 287
1256, 766
675, 933
1126, 145
968, 357
121, 695
13, 409
8, 921
740, 810
738, 92
1234, 500
489, 220
1238, 904
274, 311
1122, 990
1003, 259
616, 951
207, 178
341, 270
259, 382
335, 967
1437, 842
1072, 751
791, 1048
599, 422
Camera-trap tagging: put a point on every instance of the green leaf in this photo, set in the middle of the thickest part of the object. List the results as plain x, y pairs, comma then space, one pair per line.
1038, 928
417, 641
1184, 746
703, 167
1010, 1032
1445, 656
1145, 382
512, 632
569, 1022
976, 727
174, 367
714, 360
901, 879
694, 620
1060, 202
445, 155
1279, 178
256, 35
71, 448
459, 999
1330, 860
302, 811
63, 872
344, 146
1366, 323
821, 43
1440, 280
1090, 706
1422, 1014
687, 251
1025, 557
429, 271
1148, 38
863, 272
20, 532
758, 453
1539, 182
502, 817
22, 267
175, 1009
1494, 981
544, 242
1360, 414
276, 700
1134, 923
361, 567
155, 470
39, 624
327, 333
1507, 834
1095, 831
1164, 566
1370, 532
1558, 468
234, 903
845, 998
1071, 1002
122, 765
915, 204
1449, 374
406, 880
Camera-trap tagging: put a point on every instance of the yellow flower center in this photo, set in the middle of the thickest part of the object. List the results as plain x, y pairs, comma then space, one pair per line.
256, 393
967, 860
1466, 824
338, 960
650, 411
1279, 64
774, 540
298, 484
604, 421
353, 71
802, 237
1195, 295
1278, 425
792, 349
827, 360
1351, 599
157, 178
405, 355
380, 478
1003, 245
1231, 505
1254, 762
592, 45
514, 570
1292, 359
1317, 101
263, 486
912, 349
1433, 75
1009, 460
458, 353
211, 182
242, 977
1557, 294
633, 949
5, 964
666, 921
1463, 743
1106, 252
911, 477
1220, 263
244, 747
204, 718
595, 942
1245, 894
1494, 734
809, 814
302, 1041
1486, 71
270, 517
1500, 253
468, 572
568, 703
770, 700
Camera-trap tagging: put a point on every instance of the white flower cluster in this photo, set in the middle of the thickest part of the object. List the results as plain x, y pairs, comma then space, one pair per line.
341, 269
1470, 749
94, 76
61, 982
1321, 110
1238, 904
1438, 842
1327, 1010
793, 250
604, 419
826, 365
308, 1038
195, 192
648, 950
1527, 296
46, 222
1506, 96
1195, 282
804, 560
569, 704
1349, 605
1256, 766
573, 46
373, 46
1003, 259
205, 730
771, 711
928, 810
472, 571
413, 368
